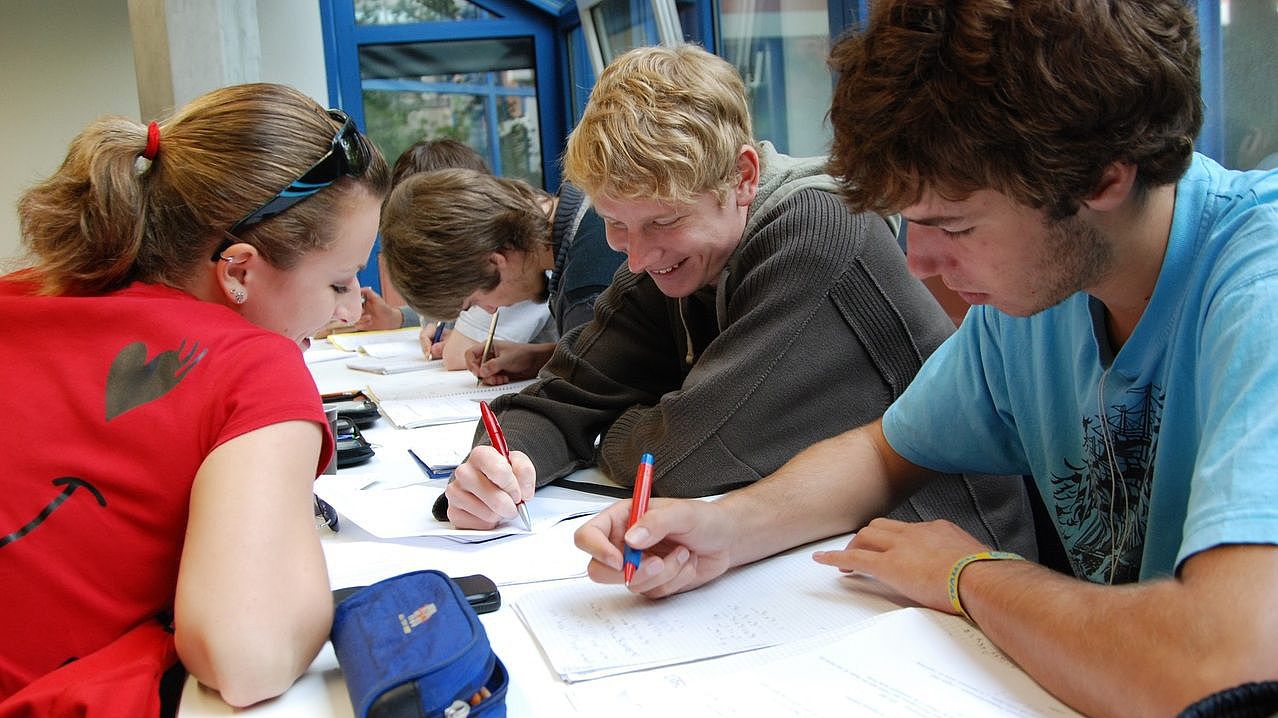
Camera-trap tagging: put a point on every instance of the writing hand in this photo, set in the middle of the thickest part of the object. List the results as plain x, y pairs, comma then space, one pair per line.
508, 361
913, 558
377, 314
432, 349
485, 488
685, 544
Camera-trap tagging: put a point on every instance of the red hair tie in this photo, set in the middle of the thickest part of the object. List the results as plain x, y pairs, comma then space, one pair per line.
152, 141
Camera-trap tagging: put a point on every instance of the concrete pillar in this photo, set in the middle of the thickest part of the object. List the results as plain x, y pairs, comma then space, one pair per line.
183, 48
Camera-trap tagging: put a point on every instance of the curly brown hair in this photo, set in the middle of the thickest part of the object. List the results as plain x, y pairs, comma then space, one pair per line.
1031, 98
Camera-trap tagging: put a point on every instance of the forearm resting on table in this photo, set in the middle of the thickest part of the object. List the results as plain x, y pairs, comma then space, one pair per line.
834, 486
455, 347
1144, 649
253, 605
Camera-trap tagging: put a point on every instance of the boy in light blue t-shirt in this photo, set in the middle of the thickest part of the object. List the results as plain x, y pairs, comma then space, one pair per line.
1149, 452
1124, 354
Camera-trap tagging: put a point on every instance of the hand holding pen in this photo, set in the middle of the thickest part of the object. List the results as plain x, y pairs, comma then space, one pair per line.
683, 543
498, 439
485, 488
488, 346
429, 340
638, 507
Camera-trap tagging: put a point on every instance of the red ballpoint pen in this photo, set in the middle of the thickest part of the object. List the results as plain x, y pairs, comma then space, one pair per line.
638, 505
498, 438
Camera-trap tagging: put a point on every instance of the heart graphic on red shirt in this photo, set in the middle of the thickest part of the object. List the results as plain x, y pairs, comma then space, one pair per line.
133, 381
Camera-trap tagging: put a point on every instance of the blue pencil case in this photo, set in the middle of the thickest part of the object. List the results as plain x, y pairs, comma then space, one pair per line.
411, 646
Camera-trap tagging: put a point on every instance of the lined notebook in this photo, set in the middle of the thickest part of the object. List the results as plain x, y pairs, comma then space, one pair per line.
441, 405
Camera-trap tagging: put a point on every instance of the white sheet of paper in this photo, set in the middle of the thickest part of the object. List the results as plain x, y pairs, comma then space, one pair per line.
593, 631
412, 413
355, 558
908, 662
319, 354
396, 349
440, 458
388, 365
405, 511
439, 383
352, 341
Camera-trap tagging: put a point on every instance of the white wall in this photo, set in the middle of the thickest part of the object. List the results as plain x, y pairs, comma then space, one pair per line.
65, 62
293, 45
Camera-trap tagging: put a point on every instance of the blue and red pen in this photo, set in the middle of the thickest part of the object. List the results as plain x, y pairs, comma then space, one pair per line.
498, 438
638, 505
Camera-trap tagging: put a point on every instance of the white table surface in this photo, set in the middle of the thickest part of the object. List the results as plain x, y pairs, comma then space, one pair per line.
534, 689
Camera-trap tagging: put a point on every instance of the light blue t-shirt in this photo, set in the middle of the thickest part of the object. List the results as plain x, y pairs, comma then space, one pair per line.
1195, 387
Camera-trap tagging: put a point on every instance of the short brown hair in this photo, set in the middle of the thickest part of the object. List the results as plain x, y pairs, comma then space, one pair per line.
439, 154
438, 229
662, 123
99, 223
1032, 98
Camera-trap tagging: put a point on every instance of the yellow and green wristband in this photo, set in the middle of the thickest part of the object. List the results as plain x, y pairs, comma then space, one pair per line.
963, 563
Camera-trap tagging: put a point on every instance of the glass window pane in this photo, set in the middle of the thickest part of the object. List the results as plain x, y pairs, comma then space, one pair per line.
394, 12
480, 92
689, 20
623, 25
580, 75
1247, 32
780, 49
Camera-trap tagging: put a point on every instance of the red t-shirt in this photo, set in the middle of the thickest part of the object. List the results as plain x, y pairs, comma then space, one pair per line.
114, 403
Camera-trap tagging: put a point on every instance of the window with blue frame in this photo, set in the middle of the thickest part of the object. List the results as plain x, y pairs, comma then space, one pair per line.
1240, 91
480, 92
780, 49
484, 72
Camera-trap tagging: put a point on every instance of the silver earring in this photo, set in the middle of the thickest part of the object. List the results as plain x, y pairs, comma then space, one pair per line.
238, 295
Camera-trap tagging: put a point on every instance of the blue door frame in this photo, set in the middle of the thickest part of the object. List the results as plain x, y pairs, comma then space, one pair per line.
513, 18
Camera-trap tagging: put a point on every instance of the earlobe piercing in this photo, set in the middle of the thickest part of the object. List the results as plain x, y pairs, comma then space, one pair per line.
238, 295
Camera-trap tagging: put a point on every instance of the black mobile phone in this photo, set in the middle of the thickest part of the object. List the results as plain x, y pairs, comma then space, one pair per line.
480, 592
342, 396
349, 405
359, 409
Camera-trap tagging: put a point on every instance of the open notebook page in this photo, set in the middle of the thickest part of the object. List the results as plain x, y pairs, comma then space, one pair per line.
592, 631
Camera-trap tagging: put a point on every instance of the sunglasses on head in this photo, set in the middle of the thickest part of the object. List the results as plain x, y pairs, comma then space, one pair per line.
346, 157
